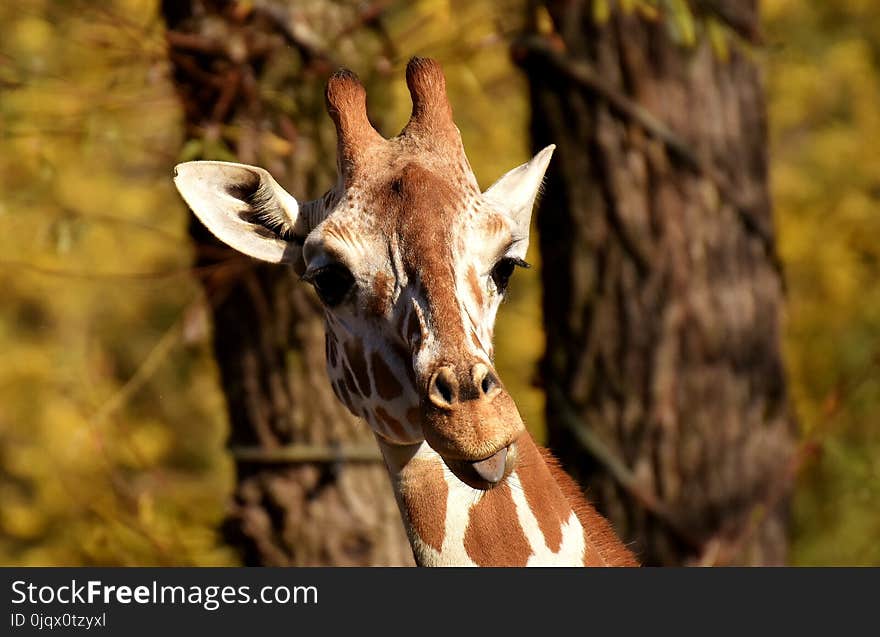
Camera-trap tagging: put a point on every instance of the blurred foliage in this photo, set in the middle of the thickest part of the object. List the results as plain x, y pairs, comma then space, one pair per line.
824, 85
103, 459
111, 418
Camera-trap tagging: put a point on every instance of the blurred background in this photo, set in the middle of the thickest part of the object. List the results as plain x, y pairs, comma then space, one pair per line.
710, 369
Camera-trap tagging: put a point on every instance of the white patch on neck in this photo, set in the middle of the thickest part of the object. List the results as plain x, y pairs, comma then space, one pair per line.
459, 499
571, 550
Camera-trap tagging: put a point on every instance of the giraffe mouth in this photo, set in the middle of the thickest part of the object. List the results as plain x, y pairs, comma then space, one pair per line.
487, 473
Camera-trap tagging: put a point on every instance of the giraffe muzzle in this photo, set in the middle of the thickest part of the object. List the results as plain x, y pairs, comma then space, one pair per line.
472, 422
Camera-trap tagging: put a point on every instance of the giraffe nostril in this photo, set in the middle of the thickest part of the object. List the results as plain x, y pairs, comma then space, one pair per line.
488, 383
443, 388
484, 380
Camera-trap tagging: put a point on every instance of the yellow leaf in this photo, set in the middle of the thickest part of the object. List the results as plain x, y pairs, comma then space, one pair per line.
602, 11
718, 39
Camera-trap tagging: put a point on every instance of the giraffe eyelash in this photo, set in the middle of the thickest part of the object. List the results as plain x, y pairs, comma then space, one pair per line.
503, 270
520, 263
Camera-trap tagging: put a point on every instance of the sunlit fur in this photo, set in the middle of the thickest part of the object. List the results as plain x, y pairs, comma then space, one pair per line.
408, 221
421, 241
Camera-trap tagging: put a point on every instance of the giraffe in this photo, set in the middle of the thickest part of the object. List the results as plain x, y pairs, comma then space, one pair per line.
411, 261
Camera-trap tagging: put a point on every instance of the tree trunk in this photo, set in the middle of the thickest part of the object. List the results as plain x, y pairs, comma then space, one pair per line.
250, 78
662, 291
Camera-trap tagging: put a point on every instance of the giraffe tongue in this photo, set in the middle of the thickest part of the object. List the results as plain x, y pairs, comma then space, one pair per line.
492, 468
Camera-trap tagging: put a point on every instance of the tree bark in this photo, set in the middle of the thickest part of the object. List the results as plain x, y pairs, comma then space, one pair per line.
250, 77
662, 291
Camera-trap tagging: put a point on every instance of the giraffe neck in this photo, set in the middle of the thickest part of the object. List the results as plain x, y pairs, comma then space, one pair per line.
537, 517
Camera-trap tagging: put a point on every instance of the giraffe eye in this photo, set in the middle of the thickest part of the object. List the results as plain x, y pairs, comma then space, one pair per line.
503, 270
332, 283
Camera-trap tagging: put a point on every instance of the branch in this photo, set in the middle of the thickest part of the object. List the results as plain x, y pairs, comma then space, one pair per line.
301, 38
618, 470
158, 354
194, 42
740, 16
809, 449
302, 453
587, 77
197, 271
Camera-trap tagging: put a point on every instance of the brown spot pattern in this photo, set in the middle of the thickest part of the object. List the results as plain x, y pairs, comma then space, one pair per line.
380, 300
414, 416
603, 547
343, 395
386, 384
495, 224
415, 183
349, 381
334, 229
474, 283
424, 497
550, 507
392, 423
494, 536
405, 361
355, 355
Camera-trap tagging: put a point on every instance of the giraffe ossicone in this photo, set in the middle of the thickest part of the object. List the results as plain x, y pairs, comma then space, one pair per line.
411, 261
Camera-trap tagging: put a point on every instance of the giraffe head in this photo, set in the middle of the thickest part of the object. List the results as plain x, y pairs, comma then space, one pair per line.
411, 261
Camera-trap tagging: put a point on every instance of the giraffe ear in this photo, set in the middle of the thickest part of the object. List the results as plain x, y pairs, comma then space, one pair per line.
515, 192
243, 206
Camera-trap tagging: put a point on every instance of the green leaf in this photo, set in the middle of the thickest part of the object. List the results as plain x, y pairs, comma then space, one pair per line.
602, 11
718, 38
191, 149
681, 24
